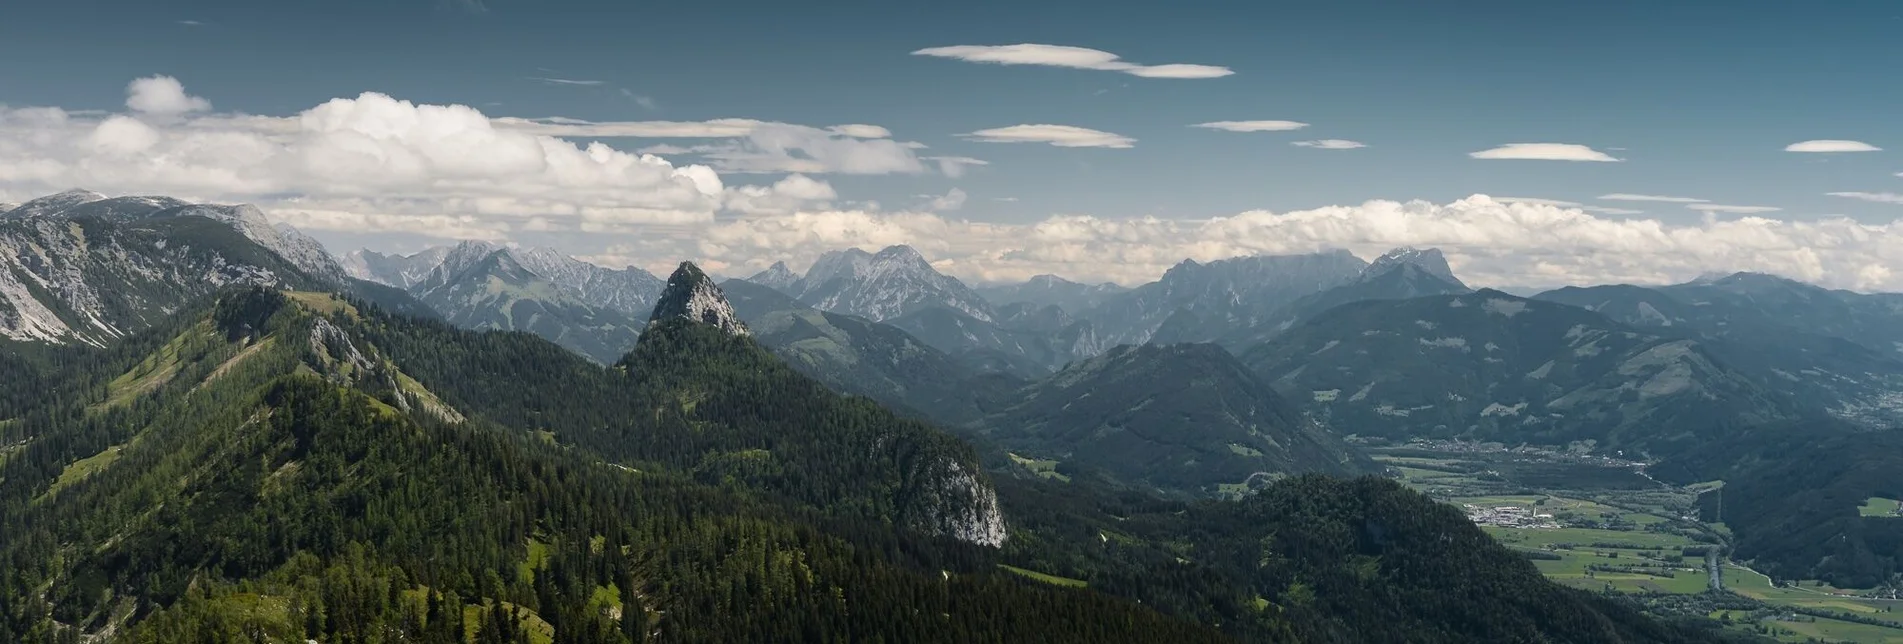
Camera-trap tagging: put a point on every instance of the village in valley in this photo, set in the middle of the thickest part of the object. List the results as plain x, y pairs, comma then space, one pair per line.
1510, 516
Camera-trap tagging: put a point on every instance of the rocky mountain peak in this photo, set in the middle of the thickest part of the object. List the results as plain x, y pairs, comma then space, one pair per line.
54, 203
691, 294
777, 277
1429, 260
901, 253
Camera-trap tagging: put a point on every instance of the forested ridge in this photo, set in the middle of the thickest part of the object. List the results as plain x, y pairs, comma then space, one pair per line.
273, 467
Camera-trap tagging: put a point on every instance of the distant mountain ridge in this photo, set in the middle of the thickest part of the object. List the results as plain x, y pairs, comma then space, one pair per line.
598, 312
1491, 366
1050, 290
891, 283
1835, 347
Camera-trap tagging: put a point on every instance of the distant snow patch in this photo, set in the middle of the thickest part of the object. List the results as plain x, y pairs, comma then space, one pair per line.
1425, 324
1542, 372
1331, 344
1327, 396
1457, 303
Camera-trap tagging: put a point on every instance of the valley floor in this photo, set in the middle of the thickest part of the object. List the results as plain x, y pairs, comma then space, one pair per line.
1604, 526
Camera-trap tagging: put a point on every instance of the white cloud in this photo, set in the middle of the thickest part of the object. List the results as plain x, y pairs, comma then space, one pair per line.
348, 164
1543, 152
1831, 145
665, 148
1611, 211
861, 131
1252, 126
1538, 201
1330, 144
1072, 57
1487, 240
954, 167
1877, 197
1621, 196
792, 193
568, 81
780, 147
572, 128
1063, 136
952, 200
162, 96
190, 23
755, 146
1736, 210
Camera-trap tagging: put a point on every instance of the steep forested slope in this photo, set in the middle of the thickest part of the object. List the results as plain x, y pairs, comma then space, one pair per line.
268, 473
294, 466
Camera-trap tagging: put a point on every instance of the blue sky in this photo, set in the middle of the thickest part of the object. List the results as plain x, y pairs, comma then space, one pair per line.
1698, 99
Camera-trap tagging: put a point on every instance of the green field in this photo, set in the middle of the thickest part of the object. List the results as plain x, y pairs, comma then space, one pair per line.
1807, 629
1877, 506
1040, 467
1049, 579
82, 468
1756, 586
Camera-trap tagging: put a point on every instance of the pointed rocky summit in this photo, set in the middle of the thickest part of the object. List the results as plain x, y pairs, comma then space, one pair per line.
777, 277
1429, 260
693, 295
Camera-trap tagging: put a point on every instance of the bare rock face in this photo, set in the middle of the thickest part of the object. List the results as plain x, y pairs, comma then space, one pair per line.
691, 294
964, 506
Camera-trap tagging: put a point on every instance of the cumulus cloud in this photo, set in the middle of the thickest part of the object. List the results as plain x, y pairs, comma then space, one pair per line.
1544, 152
951, 200
861, 131
753, 146
1621, 196
1063, 136
1736, 210
1330, 144
349, 163
1072, 57
162, 96
1488, 241
786, 195
1252, 126
1831, 145
1877, 197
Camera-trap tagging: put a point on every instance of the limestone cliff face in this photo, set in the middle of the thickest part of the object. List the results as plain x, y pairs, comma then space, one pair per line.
691, 294
962, 505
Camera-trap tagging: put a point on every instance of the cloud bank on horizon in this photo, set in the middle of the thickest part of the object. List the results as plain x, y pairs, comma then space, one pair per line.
375, 163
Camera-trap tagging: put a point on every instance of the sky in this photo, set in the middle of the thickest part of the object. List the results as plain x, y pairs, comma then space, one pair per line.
1538, 144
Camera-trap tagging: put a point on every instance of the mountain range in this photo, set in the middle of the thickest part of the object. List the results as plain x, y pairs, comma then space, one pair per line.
592, 310
213, 427
281, 465
1492, 366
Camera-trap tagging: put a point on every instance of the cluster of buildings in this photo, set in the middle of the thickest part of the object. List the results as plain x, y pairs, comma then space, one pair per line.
1510, 516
